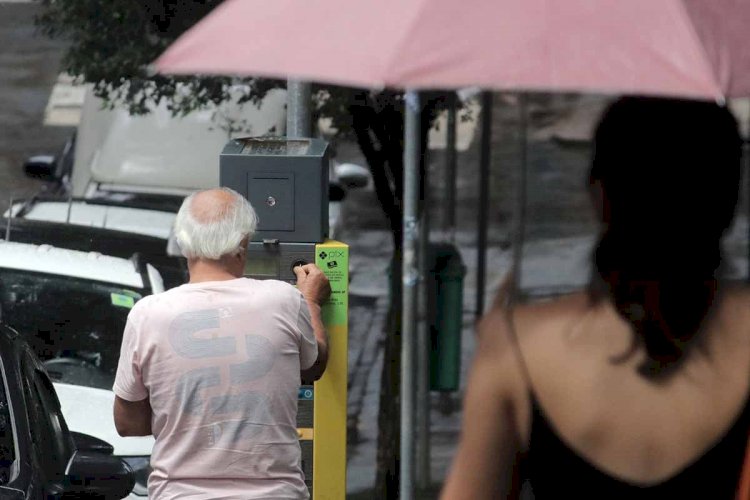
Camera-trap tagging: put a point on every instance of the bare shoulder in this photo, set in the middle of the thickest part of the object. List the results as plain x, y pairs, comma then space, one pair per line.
555, 309
497, 351
511, 342
531, 321
734, 307
542, 323
552, 344
502, 331
737, 294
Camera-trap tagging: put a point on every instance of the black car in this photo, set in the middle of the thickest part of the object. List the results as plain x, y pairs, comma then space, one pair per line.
39, 456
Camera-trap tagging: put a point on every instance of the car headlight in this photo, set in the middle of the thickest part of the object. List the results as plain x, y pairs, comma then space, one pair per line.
142, 468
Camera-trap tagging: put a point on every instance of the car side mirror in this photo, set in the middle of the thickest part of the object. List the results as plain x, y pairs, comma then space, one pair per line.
43, 167
352, 175
84, 442
94, 475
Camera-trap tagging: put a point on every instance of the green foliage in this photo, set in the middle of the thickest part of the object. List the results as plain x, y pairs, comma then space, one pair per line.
112, 42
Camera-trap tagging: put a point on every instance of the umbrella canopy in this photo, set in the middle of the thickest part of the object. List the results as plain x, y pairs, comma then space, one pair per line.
689, 48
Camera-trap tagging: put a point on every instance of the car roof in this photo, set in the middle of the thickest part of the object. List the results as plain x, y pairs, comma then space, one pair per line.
152, 250
82, 238
64, 262
146, 222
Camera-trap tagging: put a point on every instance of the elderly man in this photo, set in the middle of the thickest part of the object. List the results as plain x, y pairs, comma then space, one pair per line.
212, 368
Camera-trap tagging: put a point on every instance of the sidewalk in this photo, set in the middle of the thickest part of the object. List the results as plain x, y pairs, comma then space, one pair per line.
368, 307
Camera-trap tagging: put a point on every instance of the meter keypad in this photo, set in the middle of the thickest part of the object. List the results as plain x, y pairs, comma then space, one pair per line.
298, 262
277, 261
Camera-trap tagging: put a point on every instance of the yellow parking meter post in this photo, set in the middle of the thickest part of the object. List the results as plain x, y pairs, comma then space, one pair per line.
329, 435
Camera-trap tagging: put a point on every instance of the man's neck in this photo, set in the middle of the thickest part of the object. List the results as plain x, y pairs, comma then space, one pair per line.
209, 270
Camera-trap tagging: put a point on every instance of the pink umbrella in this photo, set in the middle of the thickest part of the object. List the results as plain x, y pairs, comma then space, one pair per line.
689, 48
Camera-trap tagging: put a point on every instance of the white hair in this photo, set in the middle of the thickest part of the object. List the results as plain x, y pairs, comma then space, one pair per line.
215, 231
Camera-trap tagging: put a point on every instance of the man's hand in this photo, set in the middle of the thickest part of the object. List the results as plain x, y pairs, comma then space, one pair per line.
315, 288
312, 283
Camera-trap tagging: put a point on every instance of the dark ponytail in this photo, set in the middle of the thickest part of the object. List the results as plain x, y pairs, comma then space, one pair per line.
669, 171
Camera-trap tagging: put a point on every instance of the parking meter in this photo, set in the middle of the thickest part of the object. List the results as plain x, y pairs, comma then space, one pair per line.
286, 182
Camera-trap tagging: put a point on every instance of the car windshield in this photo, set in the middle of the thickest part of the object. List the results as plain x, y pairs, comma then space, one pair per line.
74, 325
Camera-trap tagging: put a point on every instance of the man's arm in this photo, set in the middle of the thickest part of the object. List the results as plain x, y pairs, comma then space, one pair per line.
315, 288
132, 418
321, 336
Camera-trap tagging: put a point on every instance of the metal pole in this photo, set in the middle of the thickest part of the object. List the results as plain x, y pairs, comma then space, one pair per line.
409, 304
423, 346
298, 109
519, 223
484, 197
450, 168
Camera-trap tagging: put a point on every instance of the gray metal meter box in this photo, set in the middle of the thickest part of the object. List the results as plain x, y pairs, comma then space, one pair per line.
286, 182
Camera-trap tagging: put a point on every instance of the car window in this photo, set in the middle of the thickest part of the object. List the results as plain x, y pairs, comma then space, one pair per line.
7, 436
73, 325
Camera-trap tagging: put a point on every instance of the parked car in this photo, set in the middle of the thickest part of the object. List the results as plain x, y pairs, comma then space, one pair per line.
71, 307
117, 243
39, 456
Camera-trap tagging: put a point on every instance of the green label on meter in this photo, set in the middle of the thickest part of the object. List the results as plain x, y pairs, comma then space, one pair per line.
333, 258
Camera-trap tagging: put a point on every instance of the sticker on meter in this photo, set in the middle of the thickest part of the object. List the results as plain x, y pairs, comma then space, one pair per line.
306, 393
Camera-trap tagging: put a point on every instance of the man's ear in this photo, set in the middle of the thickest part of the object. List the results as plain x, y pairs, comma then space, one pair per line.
242, 250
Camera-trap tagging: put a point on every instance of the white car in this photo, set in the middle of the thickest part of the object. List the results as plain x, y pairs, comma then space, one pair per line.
71, 307
81, 212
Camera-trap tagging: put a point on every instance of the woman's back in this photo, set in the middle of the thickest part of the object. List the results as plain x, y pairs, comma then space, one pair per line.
588, 416
557, 393
639, 387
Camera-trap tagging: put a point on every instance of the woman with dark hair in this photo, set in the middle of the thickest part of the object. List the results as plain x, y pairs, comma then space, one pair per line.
637, 387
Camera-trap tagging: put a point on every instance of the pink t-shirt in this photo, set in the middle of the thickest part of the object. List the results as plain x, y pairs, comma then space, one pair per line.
220, 363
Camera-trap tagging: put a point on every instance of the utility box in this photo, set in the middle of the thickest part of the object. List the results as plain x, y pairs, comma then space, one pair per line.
286, 182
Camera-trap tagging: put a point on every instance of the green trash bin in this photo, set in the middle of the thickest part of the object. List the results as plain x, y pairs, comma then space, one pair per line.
445, 315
